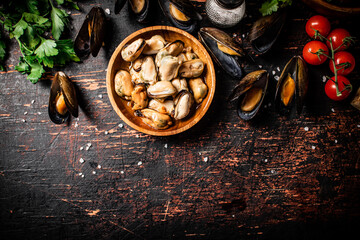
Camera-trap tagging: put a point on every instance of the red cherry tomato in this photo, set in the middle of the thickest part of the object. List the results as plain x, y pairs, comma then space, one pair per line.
309, 52
337, 37
319, 23
330, 88
344, 61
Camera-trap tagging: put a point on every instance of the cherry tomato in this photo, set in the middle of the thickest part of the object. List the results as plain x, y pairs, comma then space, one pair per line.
341, 60
319, 23
337, 37
309, 52
330, 88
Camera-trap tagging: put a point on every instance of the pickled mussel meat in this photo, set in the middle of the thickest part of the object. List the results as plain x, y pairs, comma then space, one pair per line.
171, 49
169, 68
181, 14
92, 33
265, 31
154, 44
62, 100
223, 50
123, 84
154, 119
180, 84
191, 69
132, 51
199, 89
148, 73
292, 87
250, 93
166, 107
184, 103
139, 97
161, 90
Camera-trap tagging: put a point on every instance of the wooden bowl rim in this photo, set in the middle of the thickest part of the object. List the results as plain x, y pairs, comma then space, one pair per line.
155, 132
326, 6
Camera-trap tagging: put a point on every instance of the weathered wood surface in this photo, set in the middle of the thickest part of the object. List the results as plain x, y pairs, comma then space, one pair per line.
222, 179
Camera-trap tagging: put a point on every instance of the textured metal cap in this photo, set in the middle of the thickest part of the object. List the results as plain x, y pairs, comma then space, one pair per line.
230, 4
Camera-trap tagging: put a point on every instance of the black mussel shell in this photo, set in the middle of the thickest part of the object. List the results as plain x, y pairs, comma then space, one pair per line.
119, 4
296, 68
92, 33
142, 15
210, 37
256, 79
265, 32
62, 85
187, 9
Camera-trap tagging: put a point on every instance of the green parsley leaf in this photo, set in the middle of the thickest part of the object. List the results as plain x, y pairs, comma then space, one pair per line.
59, 20
271, 6
47, 48
22, 66
19, 29
36, 71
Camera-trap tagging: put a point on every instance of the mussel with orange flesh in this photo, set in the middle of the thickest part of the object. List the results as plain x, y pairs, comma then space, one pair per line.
250, 93
181, 14
92, 33
141, 9
62, 100
292, 87
223, 50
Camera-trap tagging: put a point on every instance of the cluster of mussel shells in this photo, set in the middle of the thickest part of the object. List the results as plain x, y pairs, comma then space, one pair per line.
290, 93
163, 82
62, 100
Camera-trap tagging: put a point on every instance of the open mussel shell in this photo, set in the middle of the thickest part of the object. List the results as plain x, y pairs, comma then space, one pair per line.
119, 4
181, 14
250, 93
92, 33
62, 89
226, 55
141, 9
292, 87
265, 31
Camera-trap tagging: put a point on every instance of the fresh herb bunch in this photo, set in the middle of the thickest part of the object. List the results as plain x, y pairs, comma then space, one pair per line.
37, 26
271, 6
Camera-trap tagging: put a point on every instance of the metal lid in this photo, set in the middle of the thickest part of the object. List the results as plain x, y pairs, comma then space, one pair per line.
230, 4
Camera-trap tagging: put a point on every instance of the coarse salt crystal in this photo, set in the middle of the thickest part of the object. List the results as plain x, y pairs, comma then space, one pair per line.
39, 113
32, 101
276, 78
358, 126
324, 78
278, 69
80, 174
137, 136
306, 128
139, 163
96, 129
81, 160
333, 110
166, 146
76, 124
335, 141
260, 66
206, 159
25, 113
106, 132
93, 172
23, 120
200, 153
122, 172
243, 36
89, 144
265, 160
269, 104
100, 95
81, 148
107, 11
313, 147
121, 125
234, 35
81, 134
272, 171
99, 166
68, 12
273, 72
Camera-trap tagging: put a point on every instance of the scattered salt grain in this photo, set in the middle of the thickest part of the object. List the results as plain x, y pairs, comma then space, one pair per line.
96, 129
234, 35
206, 159
23, 120
107, 11
243, 36
99, 166
260, 66
273, 72
122, 172
137, 136
81, 160
121, 125
269, 104
233, 216
81, 148
166, 146
100, 96
106, 132
68, 12
39, 113
200, 153
140, 163
32, 101
324, 78
278, 69
272, 171
81, 134
265, 160
88, 146
93, 172
336, 141
80, 174
313, 147
276, 78
358, 126
333, 110
306, 129
76, 124
25, 113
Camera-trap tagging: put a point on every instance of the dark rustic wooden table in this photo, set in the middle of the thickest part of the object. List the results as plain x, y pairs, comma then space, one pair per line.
222, 179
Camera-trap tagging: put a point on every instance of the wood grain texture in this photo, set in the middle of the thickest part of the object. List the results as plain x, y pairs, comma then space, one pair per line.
222, 179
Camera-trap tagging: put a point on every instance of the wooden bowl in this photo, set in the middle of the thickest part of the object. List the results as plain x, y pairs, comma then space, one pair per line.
121, 106
332, 10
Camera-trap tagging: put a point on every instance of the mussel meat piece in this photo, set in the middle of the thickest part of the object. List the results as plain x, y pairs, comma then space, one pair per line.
199, 89
171, 49
154, 44
184, 103
169, 68
180, 84
223, 50
123, 84
161, 90
265, 31
181, 14
132, 51
292, 87
148, 73
139, 97
250, 93
190, 55
191, 69
92, 33
154, 119
166, 107
62, 100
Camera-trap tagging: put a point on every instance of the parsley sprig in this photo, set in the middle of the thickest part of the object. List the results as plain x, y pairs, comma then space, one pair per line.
271, 6
37, 26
